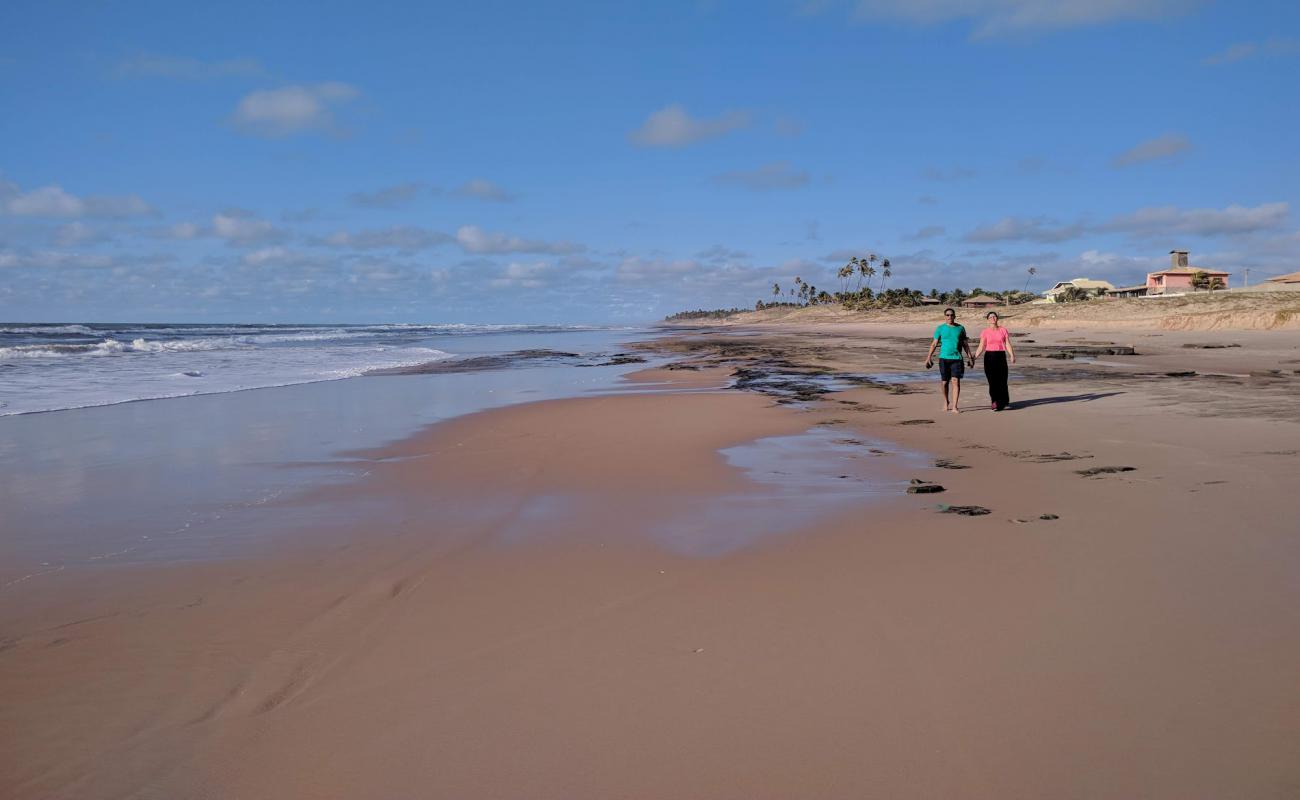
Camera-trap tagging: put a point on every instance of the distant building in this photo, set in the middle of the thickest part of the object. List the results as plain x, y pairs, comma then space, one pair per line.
1282, 283
1053, 294
930, 301
1140, 290
1178, 278
982, 301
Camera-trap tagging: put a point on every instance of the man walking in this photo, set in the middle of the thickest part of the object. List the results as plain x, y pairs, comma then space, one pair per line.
950, 339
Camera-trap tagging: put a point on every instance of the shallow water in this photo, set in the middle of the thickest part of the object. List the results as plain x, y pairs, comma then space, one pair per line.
198, 476
803, 478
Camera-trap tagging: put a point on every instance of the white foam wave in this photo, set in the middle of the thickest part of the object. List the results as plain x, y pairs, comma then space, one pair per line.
48, 330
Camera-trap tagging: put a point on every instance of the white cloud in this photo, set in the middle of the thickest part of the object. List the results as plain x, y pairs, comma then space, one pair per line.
1275, 46
927, 232
998, 18
476, 240
717, 254
398, 237
184, 230
1151, 221
1036, 229
1167, 146
776, 175
388, 197
483, 190
54, 259
54, 201
292, 109
521, 275
147, 65
1231, 220
277, 256
72, 234
639, 270
672, 126
243, 228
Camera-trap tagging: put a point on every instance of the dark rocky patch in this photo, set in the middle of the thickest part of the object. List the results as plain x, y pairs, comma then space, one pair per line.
965, 511
917, 422
1048, 516
618, 358
482, 363
1186, 373
1072, 351
947, 463
785, 388
1094, 471
924, 487
1052, 458
1209, 346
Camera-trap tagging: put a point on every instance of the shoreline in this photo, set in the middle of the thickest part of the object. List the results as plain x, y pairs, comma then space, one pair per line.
515, 627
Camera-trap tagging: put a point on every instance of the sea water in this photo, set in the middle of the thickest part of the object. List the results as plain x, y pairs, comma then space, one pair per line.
59, 366
270, 411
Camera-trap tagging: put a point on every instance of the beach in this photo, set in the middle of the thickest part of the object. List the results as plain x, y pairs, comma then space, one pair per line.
708, 580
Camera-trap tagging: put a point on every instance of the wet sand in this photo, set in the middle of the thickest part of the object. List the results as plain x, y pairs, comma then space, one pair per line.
532, 613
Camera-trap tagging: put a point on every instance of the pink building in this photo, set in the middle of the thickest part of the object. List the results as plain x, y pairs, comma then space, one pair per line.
1178, 278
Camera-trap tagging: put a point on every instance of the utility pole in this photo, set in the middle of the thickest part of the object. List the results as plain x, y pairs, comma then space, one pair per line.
1246, 282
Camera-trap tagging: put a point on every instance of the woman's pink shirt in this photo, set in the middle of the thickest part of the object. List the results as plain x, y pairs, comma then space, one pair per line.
994, 339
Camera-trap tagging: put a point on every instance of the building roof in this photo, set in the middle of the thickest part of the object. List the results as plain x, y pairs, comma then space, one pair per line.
983, 298
1292, 277
1137, 287
1188, 271
1082, 283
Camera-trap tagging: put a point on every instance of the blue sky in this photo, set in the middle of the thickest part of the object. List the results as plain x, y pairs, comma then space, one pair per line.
597, 162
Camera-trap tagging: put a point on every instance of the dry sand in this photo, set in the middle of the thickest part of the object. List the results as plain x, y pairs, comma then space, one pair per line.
1222, 311
513, 626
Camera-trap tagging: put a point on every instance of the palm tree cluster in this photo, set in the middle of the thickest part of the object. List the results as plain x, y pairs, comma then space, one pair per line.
857, 278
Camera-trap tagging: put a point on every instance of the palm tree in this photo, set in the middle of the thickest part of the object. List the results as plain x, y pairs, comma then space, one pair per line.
776, 290
1032, 272
865, 270
884, 273
845, 272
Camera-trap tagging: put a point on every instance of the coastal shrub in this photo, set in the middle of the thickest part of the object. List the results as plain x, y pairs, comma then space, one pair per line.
717, 313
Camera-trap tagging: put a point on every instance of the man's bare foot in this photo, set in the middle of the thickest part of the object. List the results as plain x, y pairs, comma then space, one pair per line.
955, 411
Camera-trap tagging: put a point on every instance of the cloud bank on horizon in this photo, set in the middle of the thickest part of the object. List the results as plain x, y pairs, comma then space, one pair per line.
519, 163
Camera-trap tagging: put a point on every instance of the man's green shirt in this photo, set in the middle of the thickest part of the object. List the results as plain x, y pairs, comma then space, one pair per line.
950, 337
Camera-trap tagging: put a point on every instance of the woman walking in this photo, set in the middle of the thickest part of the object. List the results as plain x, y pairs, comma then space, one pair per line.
995, 346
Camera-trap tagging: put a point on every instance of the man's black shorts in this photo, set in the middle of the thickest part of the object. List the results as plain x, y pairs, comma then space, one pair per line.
950, 368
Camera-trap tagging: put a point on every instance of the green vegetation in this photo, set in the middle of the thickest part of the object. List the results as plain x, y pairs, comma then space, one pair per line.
856, 281
1073, 294
864, 285
1202, 280
717, 313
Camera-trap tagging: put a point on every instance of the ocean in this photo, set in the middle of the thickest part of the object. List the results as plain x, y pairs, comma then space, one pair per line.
176, 442
49, 367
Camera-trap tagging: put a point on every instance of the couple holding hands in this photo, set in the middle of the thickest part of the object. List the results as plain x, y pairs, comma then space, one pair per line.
995, 345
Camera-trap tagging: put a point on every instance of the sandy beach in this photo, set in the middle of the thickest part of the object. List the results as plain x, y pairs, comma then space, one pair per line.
612, 596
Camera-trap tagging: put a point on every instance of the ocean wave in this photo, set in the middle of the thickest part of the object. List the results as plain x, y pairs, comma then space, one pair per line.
49, 330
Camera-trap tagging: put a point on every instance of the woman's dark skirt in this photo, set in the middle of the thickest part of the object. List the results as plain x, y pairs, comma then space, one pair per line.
995, 369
